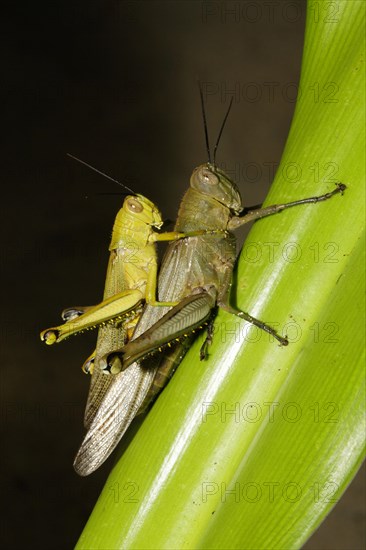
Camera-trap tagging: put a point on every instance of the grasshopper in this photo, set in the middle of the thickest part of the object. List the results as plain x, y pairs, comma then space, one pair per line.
198, 274
130, 282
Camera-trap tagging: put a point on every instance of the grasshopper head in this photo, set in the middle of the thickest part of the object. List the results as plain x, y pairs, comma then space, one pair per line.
143, 210
137, 215
212, 181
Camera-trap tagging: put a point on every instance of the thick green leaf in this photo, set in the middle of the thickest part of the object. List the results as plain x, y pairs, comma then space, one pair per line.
253, 447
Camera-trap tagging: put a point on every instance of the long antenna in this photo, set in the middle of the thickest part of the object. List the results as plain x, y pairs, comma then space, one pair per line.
204, 122
101, 173
221, 130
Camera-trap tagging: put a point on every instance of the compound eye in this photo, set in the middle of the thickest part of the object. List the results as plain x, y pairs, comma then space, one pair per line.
134, 205
206, 176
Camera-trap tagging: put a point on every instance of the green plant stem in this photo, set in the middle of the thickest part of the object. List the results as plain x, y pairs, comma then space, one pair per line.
252, 448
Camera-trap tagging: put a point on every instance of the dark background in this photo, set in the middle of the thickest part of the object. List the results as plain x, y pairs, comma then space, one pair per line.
115, 84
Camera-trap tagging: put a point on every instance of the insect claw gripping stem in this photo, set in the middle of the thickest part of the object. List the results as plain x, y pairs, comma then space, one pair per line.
256, 322
207, 341
340, 188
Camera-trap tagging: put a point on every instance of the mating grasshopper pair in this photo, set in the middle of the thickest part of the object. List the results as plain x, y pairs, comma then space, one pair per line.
195, 278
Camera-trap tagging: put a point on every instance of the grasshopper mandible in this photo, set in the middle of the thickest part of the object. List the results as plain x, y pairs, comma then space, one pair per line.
198, 274
130, 282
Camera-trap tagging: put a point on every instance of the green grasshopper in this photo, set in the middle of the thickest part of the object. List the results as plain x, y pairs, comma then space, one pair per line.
130, 282
198, 274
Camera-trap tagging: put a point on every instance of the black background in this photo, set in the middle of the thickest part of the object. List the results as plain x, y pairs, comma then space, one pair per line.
115, 84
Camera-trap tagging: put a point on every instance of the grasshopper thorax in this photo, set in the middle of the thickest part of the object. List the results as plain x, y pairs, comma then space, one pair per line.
213, 182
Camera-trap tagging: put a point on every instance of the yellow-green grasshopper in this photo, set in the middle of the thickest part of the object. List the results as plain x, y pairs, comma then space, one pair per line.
199, 276
130, 282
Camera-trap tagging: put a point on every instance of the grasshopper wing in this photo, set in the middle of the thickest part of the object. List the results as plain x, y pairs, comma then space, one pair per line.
120, 404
